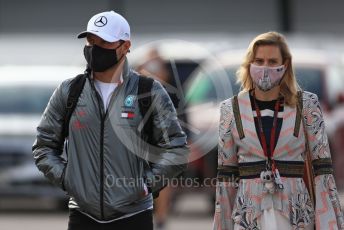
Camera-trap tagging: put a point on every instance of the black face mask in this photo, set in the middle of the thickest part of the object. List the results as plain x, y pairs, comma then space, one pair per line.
100, 59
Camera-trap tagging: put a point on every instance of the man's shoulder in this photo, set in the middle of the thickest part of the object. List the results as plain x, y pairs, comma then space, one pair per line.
68, 81
65, 86
135, 77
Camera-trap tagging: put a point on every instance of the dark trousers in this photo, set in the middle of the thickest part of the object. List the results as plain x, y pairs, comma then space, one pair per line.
141, 221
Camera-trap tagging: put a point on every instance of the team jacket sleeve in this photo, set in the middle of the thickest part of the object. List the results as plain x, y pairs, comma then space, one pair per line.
48, 146
169, 154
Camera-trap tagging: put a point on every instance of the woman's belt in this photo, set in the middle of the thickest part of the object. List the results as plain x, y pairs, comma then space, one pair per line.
250, 170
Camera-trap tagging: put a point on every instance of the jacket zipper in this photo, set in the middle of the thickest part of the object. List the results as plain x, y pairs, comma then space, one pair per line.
101, 189
102, 166
103, 117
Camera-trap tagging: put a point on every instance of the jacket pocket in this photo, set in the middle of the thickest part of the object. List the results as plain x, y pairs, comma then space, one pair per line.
65, 183
63, 175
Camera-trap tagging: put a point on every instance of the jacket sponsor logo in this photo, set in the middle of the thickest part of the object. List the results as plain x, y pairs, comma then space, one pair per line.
129, 100
81, 113
128, 115
77, 125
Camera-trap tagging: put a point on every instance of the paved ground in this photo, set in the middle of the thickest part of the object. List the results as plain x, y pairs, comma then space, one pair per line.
58, 222
191, 212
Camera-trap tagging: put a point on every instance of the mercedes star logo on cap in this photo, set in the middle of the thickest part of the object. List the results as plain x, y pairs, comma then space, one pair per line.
100, 21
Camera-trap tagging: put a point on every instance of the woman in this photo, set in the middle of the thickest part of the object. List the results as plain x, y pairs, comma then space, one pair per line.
262, 147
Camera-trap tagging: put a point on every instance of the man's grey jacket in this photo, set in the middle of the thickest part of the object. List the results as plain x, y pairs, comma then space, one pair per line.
106, 168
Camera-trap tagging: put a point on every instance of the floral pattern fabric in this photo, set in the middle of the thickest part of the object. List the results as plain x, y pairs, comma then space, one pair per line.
243, 203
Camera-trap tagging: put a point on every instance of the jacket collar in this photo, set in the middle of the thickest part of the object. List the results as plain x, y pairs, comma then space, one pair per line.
125, 72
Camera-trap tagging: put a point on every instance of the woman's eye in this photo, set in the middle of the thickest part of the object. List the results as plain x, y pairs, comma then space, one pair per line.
258, 62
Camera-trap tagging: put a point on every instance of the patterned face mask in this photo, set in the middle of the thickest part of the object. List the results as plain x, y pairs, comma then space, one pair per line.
266, 77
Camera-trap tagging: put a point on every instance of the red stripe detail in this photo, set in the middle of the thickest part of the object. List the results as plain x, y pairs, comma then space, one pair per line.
131, 115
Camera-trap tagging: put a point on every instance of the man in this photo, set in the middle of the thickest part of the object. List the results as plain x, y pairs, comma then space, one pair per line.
106, 173
154, 65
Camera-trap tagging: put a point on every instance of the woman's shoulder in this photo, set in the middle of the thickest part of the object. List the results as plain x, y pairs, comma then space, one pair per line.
226, 103
226, 109
306, 95
226, 116
310, 100
242, 96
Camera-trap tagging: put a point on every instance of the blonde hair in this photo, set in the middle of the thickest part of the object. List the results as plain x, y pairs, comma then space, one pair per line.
288, 86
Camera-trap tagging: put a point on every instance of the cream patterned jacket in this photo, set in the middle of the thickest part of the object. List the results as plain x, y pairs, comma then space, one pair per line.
243, 201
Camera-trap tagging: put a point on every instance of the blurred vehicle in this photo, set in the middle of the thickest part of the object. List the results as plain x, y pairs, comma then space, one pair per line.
24, 94
179, 63
172, 62
214, 82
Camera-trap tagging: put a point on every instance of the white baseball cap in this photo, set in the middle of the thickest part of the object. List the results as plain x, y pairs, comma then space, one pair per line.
108, 25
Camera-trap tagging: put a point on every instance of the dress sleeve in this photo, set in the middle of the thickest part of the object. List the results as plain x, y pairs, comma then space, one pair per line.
328, 212
226, 187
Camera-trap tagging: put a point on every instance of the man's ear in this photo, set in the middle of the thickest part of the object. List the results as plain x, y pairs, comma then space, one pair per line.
126, 46
286, 64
